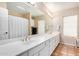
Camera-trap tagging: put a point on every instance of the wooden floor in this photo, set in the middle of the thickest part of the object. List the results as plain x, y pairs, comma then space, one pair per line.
65, 50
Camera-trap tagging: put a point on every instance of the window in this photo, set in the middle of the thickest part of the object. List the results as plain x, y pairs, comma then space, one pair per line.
70, 26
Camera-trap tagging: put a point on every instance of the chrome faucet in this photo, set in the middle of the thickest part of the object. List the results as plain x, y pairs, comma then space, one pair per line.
3, 36
26, 38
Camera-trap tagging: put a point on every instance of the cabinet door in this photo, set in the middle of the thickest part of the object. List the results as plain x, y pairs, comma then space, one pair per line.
36, 49
52, 42
3, 23
57, 40
36, 54
44, 51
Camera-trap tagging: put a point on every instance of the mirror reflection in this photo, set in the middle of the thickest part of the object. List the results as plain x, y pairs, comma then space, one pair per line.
21, 19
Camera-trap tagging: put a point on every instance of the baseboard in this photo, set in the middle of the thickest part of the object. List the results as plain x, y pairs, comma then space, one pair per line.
68, 44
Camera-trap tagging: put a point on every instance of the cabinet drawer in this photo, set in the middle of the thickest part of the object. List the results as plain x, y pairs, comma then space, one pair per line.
36, 49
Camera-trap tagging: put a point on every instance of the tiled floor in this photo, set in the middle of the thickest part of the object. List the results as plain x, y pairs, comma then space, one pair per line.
66, 50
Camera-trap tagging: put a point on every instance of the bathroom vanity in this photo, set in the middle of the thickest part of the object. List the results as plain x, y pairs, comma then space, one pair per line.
40, 45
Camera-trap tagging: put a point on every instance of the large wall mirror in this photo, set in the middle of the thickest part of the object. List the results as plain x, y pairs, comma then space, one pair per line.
21, 19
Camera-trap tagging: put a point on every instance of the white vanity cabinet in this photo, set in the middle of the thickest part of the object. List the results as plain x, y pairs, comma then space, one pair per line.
50, 46
46, 48
39, 46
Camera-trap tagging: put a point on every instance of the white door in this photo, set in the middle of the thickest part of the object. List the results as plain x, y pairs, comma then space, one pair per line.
70, 29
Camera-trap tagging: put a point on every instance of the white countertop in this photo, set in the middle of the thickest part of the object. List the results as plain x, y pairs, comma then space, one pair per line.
17, 47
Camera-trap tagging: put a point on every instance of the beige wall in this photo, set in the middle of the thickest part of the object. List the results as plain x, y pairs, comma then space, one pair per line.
3, 4
14, 13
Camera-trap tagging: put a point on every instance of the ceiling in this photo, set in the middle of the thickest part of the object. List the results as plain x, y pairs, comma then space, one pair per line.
58, 6
49, 7
22, 7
